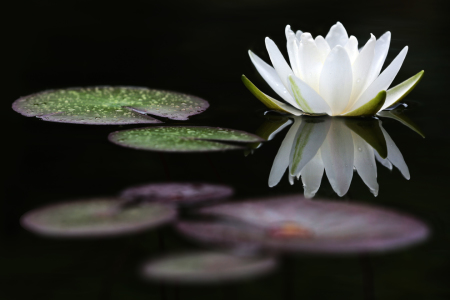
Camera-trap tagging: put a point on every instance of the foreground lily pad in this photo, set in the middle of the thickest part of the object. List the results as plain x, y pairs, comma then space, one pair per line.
177, 193
206, 267
295, 224
99, 217
182, 138
109, 105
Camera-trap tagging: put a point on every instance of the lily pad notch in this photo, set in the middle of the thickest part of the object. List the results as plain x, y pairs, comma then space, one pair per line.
109, 105
182, 138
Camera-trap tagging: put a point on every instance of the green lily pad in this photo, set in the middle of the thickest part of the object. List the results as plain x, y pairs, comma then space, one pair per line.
206, 267
99, 217
109, 105
182, 138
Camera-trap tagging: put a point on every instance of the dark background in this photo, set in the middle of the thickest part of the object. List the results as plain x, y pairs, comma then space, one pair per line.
200, 47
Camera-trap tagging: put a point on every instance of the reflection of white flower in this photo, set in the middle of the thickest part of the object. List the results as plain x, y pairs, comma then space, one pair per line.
330, 75
313, 146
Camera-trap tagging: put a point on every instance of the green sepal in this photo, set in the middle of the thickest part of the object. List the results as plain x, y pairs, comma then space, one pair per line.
370, 108
411, 82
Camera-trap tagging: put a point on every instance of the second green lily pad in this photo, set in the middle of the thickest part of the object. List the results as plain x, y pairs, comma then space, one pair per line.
182, 138
106, 105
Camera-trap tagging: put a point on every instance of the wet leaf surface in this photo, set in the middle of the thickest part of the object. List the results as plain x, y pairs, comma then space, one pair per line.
182, 138
107, 105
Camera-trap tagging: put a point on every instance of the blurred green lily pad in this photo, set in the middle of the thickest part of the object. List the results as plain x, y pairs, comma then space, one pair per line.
182, 138
206, 267
99, 217
107, 105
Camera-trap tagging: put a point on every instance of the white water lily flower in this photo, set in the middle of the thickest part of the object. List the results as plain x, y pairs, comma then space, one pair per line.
330, 75
337, 147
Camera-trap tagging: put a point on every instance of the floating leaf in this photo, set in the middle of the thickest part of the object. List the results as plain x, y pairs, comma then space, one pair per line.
295, 224
109, 105
182, 138
177, 193
206, 267
100, 217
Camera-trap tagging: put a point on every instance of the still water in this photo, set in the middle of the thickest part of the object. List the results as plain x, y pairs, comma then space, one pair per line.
50, 163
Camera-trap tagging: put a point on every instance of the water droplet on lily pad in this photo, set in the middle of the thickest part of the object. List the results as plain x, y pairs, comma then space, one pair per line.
177, 193
182, 138
108, 105
295, 224
99, 217
206, 267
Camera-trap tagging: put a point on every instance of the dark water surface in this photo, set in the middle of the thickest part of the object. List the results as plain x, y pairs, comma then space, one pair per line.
200, 48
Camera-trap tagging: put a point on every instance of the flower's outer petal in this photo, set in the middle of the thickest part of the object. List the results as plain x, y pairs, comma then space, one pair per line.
293, 50
383, 81
281, 162
352, 48
310, 61
361, 68
278, 61
395, 156
337, 35
307, 142
337, 155
269, 101
271, 77
380, 53
402, 118
384, 161
398, 92
312, 175
323, 47
307, 98
365, 163
370, 108
298, 34
336, 80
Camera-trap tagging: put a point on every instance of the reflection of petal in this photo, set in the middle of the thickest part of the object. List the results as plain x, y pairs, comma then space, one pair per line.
281, 161
312, 175
384, 161
369, 130
309, 138
365, 163
337, 156
395, 156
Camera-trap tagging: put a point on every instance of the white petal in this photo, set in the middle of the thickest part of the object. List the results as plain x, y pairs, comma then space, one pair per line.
310, 61
312, 175
323, 47
308, 140
383, 81
380, 53
271, 77
278, 62
352, 48
337, 156
395, 156
336, 80
337, 35
307, 98
293, 50
365, 163
361, 68
291, 179
298, 34
281, 162
383, 161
